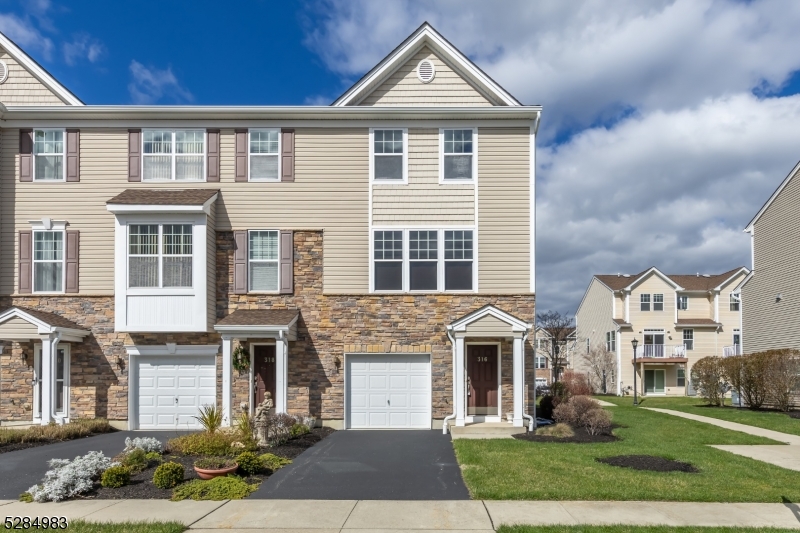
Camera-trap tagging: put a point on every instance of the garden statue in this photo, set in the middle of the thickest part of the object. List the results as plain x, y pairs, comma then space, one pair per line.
260, 422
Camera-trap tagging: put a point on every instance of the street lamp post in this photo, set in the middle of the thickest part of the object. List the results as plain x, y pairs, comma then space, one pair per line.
635, 343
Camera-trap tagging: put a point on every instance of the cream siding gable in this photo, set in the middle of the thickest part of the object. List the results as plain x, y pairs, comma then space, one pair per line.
403, 88
594, 319
18, 328
489, 326
652, 284
22, 87
730, 320
700, 305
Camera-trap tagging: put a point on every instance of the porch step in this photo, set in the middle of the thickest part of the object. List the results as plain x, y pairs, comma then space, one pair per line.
485, 430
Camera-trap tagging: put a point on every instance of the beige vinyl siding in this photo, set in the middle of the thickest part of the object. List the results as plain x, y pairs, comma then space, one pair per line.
769, 324
18, 328
619, 306
423, 200
594, 319
211, 267
653, 284
730, 320
699, 306
504, 238
488, 326
403, 88
22, 88
329, 192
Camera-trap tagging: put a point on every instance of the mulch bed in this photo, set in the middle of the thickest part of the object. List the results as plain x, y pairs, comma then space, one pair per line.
648, 462
581, 437
141, 485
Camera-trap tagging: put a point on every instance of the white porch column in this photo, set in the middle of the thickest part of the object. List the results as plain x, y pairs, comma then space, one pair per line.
459, 383
48, 382
227, 370
281, 374
519, 380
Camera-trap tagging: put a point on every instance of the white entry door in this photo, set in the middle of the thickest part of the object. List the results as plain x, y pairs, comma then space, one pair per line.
388, 391
171, 390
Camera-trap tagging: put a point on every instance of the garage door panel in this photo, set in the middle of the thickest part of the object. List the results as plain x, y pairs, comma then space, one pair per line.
419, 419
399, 401
398, 382
377, 381
359, 382
209, 382
378, 419
419, 382
418, 401
419, 366
377, 401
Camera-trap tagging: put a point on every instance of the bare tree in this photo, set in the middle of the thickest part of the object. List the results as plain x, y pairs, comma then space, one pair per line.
558, 328
601, 365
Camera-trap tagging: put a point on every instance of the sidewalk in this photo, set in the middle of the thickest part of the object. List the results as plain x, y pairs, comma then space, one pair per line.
329, 516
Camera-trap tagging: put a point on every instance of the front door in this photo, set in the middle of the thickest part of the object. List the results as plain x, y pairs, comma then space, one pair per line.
482, 382
263, 372
654, 382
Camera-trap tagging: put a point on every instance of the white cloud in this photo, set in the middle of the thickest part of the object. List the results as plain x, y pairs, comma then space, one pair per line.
318, 99
83, 47
25, 35
150, 85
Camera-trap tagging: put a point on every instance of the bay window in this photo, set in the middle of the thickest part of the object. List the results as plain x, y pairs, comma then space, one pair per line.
457, 154
177, 155
48, 261
263, 259
264, 155
160, 255
388, 155
49, 153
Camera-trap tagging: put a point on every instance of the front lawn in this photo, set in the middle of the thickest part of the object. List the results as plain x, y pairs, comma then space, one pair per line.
637, 529
773, 420
12, 439
506, 469
81, 526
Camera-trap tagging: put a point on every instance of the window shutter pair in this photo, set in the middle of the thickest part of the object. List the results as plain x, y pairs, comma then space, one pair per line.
285, 262
286, 155
73, 155
71, 258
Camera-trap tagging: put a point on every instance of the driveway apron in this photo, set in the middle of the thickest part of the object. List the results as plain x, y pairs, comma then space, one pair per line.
371, 465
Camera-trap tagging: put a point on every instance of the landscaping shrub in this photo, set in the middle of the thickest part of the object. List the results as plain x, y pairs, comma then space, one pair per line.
559, 390
214, 463
273, 462
116, 477
546, 406
219, 488
576, 384
135, 460
565, 413
597, 422
168, 475
560, 431
148, 444
53, 433
279, 428
709, 378
245, 425
582, 405
299, 429
783, 376
249, 463
153, 458
218, 443
68, 478
210, 418
308, 420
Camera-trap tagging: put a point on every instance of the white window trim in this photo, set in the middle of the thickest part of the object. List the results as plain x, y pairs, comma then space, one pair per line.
280, 159
653, 302
40, 228
63, 156
160, 255
277, 261
37, 361
649, 302
684, 339
372, 179
536, 362
686, 299
440, 259
173, 156
443, 181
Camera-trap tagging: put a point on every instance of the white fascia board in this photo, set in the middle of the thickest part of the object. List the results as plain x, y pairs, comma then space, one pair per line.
719, 287
795, 171
127, 209
71, 332
38, 72
742, 283
657, 272
516, 324
163, 349
15, 312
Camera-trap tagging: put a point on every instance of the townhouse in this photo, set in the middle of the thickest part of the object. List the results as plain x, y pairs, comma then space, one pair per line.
370, 262
675, 319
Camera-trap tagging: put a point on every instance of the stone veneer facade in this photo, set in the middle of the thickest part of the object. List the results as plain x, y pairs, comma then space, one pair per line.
329, 326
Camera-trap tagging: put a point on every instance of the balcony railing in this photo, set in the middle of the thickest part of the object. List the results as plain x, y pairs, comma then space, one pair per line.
728, 351
660, 350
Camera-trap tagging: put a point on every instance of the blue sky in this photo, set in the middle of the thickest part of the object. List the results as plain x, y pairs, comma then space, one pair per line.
666, 123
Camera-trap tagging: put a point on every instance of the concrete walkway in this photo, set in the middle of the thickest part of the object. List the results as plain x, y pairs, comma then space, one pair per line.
336, 516
734, 426
604, 403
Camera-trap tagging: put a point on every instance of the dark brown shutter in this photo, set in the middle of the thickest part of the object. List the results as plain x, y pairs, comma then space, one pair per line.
73, 155
240, 262
73, 255
287, 155
286, 263
134, 155
25, 155
241, 155
212, 162
25, 262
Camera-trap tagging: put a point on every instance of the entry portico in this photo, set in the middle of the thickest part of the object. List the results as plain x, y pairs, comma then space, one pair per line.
477, 339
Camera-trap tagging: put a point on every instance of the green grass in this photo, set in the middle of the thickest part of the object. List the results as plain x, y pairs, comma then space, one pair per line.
80, 526
773, 420
636, 529
520, 470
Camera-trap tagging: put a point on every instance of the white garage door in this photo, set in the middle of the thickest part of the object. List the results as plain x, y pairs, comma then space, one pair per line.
388, 391
173, 388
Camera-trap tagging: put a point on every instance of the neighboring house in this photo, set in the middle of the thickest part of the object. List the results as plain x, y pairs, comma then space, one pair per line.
676, 319
374, 258
771, 293
545, 373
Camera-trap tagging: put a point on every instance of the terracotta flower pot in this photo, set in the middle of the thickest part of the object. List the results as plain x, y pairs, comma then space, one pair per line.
206, 473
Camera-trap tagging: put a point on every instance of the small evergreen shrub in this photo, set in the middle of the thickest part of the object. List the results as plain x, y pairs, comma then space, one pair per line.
26, 497
218, 443
153, 458
168, 475
219, 488
546, 407
299, 429
116, 477
273, 462
135, 460
249, 463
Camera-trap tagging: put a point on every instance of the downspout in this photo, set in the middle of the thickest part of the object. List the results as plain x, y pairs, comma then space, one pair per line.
531, 420
453, 344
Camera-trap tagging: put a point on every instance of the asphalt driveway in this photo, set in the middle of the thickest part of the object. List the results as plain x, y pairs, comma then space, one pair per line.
371, 465
22, 469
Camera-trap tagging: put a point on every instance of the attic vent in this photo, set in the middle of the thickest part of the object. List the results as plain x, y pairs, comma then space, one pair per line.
425, 71
3, 71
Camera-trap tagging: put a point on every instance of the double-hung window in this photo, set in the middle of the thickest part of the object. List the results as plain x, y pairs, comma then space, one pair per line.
541, 361
658, 302
681, 377
388, 257
683, 303
458, 156
688, 339
264, 155
611, 341
48, 153
734, 302
644, 302
263, 250
458, 259
388, 155
160, 255
177, 155
423, 264
48, 261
